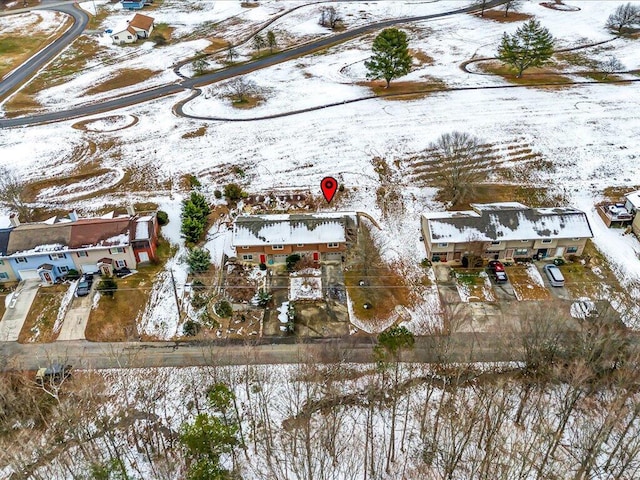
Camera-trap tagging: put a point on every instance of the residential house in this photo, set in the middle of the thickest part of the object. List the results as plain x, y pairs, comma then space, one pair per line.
632, 205
48, 250
269, 239
6, 272
505, 231
133, 4
139, 27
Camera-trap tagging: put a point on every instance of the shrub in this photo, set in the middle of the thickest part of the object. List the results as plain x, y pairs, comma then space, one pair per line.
190, 328
205, 318
292, 260
197, 286
194, 216
193, 181
263, 297
262, 266
199, 260
159, 40
217, 194
73, 274
199, 301
163, 217
223, 309
107, 287
234, 192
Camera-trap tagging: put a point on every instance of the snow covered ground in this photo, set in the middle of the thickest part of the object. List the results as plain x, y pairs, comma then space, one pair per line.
586, 131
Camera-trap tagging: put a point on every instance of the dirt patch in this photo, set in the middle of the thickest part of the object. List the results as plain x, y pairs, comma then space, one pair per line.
533, 77
163, 30
420, 57
115, 319
561, 7
216, 44
21, 104
399, 90
525, 284
196, 133
118, 122
473, 286
616, 194
499, 16
124, 78
42, 316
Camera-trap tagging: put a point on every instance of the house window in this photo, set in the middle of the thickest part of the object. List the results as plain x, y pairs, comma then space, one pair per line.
57, 256
121, 263
4, 276
299, 244
332, 245
21, 260
245, 248
546, 240
495, 243
572, 249
577, 239
521, 251
63, 269
443, 245
278, 247
117, 250
247, 257
523, 241
82, 254
129, 37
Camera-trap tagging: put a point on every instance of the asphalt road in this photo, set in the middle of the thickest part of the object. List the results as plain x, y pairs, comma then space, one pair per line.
220, 75
463, 347
25, 71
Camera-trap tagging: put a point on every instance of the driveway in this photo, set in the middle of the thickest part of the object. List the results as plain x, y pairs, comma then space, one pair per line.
75, 321
17, 310
557, 292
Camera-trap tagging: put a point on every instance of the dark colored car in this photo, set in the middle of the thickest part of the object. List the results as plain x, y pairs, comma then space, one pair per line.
55, 373
497, 271
84, 285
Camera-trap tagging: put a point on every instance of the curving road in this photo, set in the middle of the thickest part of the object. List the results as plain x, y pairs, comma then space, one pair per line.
227, 73
25, 71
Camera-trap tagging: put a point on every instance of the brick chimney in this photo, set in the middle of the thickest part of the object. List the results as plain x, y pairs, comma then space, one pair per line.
73, 216
13, 220
131, 211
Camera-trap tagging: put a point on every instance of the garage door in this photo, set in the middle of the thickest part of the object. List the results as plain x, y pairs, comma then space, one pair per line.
280, 258
89, 268
333, 256
29, 274
144, 257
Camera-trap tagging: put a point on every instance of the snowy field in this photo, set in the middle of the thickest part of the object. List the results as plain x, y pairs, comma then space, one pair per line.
586, 131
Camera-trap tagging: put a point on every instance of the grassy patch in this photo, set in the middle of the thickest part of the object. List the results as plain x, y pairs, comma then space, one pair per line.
405, 90
42, 316
499, 16
542, 77
488, 193
20, 104
196, 133
384, 288
421, 57
616, 194
524, 286
116, 319
95, 21
164, 30
472, 286
124, 78
249, 101
576, 59
216, 44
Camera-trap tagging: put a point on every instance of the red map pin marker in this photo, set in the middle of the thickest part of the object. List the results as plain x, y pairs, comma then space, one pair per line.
329, 185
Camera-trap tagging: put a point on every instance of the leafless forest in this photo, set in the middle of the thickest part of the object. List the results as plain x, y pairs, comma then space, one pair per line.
564, 413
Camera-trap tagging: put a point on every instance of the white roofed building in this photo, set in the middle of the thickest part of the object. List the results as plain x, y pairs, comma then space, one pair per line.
269, 239
505, 231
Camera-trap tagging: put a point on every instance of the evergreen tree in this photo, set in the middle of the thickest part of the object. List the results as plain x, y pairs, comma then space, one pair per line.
271, 40
391, 58
530, 46
107, 287
199, 260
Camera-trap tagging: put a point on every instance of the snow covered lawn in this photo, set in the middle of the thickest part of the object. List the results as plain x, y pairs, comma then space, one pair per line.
527, 282
305, 288
474, 287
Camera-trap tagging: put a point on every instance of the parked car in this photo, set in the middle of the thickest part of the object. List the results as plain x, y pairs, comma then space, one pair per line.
84, 285
556, 279
122, 272
497, 271
55, 373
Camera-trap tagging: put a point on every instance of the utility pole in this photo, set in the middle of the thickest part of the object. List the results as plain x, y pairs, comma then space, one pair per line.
175, 294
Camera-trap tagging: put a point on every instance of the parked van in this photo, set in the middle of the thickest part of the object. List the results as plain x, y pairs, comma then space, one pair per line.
556, 279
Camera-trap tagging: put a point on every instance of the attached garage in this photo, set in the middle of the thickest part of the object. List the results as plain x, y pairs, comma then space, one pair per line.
333, 256
31, 274
89, 268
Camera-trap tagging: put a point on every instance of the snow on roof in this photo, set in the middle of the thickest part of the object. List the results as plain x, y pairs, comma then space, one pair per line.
634, 198
4, 221
288, 229
142, 228
493, 222
121, 239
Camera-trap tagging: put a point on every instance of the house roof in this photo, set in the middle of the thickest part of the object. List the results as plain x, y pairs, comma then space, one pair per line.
507, 221
144, 226
101, 232
142, 22
38, 237
634, 199
259, 230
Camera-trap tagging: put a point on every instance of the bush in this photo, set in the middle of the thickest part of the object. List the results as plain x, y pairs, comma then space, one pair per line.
223, 309
199, 260
292, 260
217, 194
73, 274
197, 286
159, 40
262, 266
163, 217
193, 181
263, 298
234, 192
107, 287
205, 318
190, 328
199, 301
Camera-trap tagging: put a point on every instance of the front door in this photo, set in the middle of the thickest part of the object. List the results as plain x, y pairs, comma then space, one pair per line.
508, 253
559, 251
316, 256
542, 252
47, 277
263, 258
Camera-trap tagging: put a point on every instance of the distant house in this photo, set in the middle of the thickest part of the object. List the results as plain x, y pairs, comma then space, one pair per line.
505, 231
6, 272
139, 27
133, 4
269, 239
48, 250
632, 205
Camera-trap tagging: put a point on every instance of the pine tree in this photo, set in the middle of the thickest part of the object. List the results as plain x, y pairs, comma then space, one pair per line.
391, 58
271, 40
530, 46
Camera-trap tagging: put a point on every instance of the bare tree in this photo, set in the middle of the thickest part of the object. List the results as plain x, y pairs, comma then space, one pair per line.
12, 190
610, 65
232, 53
258, 42
510, 5
460, 158
329, 17
241, 88
482, 4
624, 17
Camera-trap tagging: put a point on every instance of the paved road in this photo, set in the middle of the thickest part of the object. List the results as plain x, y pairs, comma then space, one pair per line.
227, 73
17, 310
25, 71
84, 354
76, 318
